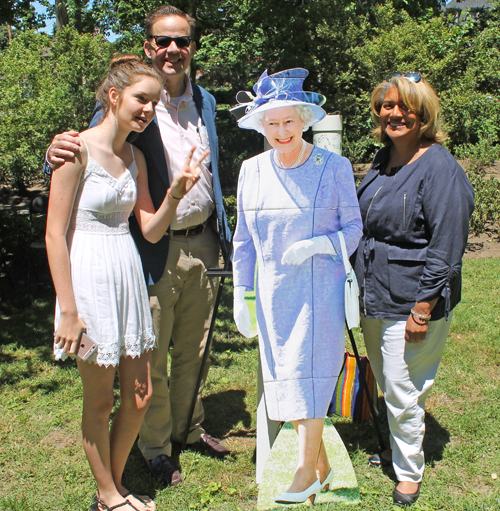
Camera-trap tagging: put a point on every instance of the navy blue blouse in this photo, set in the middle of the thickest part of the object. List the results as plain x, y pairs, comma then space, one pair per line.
415, 228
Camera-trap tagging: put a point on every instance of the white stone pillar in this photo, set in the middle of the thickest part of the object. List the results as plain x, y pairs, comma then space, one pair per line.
327, 133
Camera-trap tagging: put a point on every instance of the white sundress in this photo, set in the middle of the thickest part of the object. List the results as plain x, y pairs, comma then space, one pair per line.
106, 271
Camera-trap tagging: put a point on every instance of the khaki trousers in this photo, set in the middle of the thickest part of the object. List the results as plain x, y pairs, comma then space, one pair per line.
182, 305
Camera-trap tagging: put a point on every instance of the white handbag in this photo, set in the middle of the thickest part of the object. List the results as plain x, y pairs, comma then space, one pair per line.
351, 294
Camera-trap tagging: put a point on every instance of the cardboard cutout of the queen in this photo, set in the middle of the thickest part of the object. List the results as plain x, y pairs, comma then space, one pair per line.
292, 202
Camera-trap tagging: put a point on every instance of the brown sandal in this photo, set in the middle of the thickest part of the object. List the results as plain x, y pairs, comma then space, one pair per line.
101, 506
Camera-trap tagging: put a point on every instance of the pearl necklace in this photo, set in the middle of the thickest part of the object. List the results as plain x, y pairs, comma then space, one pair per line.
298, 161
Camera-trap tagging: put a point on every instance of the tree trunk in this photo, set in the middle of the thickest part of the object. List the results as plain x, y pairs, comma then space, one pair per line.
78, 16
191, 9
62, 18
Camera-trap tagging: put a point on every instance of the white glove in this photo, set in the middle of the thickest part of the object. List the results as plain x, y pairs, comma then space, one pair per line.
242, 314
302, 250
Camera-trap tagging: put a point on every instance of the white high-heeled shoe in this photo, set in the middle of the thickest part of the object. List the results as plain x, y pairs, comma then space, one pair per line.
298, 498
327, 481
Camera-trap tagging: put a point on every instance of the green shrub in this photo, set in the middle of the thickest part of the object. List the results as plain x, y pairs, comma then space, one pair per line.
230, 204
478, 156
235, 145
47, 86
487, 199
486, 188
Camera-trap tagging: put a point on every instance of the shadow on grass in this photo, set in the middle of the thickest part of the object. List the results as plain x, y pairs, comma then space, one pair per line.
26, 323
436, 439
6, 359
359, 435
26, 333
136, 476
224, 411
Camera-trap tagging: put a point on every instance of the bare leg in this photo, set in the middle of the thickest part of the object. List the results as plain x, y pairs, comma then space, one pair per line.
97, 405
135, 396
322, 464
310, 432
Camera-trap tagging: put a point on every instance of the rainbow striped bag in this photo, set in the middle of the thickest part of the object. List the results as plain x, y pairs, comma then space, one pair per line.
349, 398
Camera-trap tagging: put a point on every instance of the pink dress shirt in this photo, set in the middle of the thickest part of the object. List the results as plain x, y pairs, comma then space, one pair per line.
181, 127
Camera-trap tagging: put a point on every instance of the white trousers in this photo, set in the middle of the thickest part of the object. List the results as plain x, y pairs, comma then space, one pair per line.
405, 372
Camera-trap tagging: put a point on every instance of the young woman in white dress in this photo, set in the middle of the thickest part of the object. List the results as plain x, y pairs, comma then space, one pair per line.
98, 275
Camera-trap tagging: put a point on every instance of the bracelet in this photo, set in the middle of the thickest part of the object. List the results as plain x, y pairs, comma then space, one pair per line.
170, 195
420, 316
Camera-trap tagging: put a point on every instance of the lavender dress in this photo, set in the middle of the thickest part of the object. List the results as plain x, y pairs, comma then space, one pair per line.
300, 309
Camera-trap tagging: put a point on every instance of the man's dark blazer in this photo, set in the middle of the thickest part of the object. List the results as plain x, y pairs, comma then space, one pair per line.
154, 255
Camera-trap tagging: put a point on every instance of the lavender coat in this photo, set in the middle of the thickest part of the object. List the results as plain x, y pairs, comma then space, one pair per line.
300, 309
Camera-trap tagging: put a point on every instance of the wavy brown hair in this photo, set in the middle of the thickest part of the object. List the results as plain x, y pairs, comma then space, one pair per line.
125, 70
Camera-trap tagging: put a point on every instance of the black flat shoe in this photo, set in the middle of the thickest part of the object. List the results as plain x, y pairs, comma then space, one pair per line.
405, 499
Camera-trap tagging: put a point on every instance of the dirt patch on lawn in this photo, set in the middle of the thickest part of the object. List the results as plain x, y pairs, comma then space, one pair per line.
60, 438
484, 245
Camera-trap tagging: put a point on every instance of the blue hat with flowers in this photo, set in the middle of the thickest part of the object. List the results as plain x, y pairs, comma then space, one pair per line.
275, 91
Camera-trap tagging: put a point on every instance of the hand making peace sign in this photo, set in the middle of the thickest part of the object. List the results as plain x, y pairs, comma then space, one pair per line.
188, 176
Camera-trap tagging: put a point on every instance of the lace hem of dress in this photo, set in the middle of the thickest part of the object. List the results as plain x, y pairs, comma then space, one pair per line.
134, 346
91, 221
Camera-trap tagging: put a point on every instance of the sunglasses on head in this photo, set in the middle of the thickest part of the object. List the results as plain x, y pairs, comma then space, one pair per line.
413, 77
164, 41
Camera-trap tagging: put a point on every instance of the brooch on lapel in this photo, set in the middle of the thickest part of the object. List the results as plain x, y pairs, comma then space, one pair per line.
318, 159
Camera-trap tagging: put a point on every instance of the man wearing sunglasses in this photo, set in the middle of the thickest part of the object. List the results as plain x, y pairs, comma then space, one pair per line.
182, 296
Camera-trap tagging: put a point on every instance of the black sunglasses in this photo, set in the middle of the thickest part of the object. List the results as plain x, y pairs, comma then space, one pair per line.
413, 77
164, 41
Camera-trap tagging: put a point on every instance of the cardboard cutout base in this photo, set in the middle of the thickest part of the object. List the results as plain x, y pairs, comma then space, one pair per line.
281, 463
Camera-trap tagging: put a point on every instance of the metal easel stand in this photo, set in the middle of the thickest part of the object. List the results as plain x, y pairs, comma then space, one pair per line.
267, 430
221, 273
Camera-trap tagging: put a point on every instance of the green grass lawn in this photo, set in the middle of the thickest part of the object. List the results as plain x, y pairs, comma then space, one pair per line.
43, 468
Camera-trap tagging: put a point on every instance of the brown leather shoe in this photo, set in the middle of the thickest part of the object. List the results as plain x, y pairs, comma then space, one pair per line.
211, 446
164, 470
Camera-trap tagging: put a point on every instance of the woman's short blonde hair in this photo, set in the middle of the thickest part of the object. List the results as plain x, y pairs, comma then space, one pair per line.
420, 98
305, 112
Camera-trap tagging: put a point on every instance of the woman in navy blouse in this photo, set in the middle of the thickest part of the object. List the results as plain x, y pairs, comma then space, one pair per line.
415, 202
